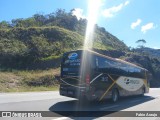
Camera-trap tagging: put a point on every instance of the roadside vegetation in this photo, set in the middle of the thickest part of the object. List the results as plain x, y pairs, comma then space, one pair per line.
32, 80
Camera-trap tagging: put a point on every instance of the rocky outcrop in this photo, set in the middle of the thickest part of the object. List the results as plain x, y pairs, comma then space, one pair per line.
153, 53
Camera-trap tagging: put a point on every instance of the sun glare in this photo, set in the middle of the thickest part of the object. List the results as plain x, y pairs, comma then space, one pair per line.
92, 16
93, 10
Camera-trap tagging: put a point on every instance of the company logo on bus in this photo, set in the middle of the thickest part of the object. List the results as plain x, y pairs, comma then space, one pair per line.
72, 56
127, 81
130, 81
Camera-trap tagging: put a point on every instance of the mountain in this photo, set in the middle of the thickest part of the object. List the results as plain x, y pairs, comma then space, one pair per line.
39, 38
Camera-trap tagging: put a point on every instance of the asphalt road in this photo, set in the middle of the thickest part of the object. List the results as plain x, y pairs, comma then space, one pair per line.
56, 105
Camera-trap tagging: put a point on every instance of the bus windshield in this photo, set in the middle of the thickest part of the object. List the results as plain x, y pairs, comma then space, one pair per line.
71, 63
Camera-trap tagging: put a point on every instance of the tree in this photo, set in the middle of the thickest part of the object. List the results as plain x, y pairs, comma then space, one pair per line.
4, 24
40, 19
141, 43
17, 22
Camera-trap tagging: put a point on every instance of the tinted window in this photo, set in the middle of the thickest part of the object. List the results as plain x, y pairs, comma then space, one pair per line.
71, 63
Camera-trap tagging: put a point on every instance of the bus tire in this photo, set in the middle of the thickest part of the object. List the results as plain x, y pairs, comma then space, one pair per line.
115, 95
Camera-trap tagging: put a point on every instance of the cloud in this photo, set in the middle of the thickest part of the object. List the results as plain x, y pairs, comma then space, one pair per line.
78, 12
126, 3
147, 27
111, 11
135, 24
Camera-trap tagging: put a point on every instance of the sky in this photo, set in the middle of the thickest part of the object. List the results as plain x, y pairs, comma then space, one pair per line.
128, 20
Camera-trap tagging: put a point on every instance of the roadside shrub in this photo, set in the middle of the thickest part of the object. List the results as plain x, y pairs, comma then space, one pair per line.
47, 80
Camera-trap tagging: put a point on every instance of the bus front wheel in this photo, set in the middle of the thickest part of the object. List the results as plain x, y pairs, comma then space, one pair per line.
115, 95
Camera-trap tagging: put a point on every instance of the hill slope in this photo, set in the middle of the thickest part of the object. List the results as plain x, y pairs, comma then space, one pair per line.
45, 37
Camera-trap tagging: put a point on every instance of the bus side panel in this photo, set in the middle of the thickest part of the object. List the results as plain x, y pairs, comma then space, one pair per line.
105, 83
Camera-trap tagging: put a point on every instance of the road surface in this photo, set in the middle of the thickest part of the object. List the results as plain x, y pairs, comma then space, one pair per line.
54, 103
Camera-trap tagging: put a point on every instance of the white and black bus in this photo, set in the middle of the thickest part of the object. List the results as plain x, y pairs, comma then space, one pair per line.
88, 74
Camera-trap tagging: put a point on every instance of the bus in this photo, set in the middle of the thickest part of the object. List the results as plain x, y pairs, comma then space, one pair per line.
88, 75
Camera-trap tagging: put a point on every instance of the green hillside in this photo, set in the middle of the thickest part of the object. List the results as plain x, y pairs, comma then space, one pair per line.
45, 37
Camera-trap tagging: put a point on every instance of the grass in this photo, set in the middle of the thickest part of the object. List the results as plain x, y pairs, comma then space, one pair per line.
33, 80
29, 89
98, 45
50, 58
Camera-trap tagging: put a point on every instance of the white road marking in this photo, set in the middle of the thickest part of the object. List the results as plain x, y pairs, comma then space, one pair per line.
60, 118
109, 107
134, 101
154, 88
158, 96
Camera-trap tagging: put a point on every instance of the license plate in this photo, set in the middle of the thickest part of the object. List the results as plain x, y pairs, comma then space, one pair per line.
64, 92
70, 92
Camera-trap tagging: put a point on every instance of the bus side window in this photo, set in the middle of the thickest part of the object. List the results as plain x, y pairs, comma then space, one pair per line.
96, 62
101, 65
123, 69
